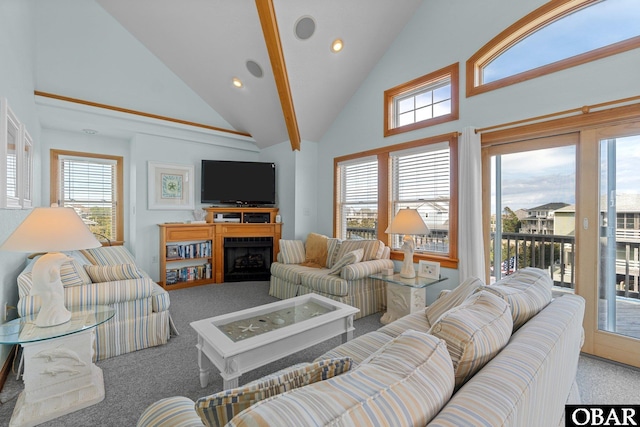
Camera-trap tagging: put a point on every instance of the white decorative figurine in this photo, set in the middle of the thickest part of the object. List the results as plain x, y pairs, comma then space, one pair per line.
48, 286
408, 246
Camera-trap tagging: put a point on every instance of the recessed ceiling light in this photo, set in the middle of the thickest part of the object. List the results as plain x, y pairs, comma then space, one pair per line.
254, 68
237, 82
337, 45
90, 131
304, 27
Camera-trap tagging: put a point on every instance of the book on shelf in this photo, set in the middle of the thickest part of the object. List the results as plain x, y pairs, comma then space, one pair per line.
189, 250
188, 274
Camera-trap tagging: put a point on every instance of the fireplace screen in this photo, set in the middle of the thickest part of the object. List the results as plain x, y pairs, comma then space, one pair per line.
247, 258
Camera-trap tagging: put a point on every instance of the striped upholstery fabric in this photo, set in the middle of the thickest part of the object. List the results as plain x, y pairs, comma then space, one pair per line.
282, 288
365, 269
332, 251
372, 249
359, 349
292, 251
406, 384
475, 331
452, 299
368, 295
527, 384
170, 412
142, 318
416, 321
527, 291
71, 274
322, 282
109, 273
289, 272
109, 255
218, 409
347, 259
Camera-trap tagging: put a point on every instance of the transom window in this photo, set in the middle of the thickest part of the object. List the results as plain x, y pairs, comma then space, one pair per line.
561, 34
372, 187
425, 101
92, 185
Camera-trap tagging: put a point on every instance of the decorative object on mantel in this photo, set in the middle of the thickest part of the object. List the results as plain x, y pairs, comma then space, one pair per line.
408, 222
171, 186
199, 216
50, 230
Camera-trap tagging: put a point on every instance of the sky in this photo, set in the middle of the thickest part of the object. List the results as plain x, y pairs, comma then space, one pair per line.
534, 178
601, 24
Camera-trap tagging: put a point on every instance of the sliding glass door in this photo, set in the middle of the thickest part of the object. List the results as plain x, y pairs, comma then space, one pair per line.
532, 207
610, 247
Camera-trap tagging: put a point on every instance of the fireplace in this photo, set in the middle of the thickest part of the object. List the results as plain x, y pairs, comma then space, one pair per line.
247, 258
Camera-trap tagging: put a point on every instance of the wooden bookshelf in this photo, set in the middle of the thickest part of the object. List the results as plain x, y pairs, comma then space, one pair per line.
213, 234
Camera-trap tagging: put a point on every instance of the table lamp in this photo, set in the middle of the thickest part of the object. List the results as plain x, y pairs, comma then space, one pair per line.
50, 230
408, 222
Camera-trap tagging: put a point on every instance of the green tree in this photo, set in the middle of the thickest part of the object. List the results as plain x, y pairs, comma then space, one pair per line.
510, 221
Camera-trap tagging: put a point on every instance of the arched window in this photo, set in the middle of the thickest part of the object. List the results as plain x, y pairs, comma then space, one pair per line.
558, 35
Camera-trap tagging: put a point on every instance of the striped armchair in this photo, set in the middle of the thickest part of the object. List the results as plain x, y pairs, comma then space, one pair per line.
109, 276
342, 274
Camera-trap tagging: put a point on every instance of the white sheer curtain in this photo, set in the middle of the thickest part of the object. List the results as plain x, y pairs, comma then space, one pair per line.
470, 244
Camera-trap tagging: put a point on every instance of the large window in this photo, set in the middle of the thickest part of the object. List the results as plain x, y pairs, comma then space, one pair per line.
425, 101
92, 185
562, 34
372, 187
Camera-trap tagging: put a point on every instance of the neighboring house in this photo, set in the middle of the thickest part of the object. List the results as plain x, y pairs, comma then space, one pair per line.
539, 220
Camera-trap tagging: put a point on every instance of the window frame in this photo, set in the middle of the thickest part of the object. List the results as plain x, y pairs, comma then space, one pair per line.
452, 72
385, 204
18, 149
549, 12
119, 174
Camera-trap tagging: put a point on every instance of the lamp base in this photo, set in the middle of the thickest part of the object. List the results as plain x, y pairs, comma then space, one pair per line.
48, 287
407, 271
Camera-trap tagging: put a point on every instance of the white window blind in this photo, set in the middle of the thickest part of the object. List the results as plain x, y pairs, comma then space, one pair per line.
421, 180
358, 198
89, 186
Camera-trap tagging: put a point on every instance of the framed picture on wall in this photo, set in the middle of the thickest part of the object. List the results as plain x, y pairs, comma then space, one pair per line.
429, 269
171, 186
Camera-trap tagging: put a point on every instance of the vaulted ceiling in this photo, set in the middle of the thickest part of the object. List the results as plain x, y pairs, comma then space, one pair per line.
303, 86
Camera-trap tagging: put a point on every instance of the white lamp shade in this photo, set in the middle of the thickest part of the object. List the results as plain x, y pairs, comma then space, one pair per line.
407, 221
51, 230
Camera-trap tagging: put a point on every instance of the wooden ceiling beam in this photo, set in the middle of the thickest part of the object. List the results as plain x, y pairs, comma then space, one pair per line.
267, 15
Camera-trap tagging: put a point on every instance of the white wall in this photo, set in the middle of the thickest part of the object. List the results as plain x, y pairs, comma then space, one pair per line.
284, 158
441, 33
17, 40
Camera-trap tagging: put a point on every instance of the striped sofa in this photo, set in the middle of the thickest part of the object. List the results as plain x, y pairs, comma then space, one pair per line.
344, 276
109, 276
498, 355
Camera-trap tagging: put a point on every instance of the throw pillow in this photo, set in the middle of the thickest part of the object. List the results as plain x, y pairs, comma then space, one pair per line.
315, 250
349, 258
110, 273
292, 251
452, 299
71, 274
475, 331
527, 291
372, 249
109, 255
218, 409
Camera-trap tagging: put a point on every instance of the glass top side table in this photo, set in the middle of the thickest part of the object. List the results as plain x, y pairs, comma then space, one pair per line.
405, 296
59, 374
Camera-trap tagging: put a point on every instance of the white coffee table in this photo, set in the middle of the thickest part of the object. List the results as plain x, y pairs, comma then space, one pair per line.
239, 342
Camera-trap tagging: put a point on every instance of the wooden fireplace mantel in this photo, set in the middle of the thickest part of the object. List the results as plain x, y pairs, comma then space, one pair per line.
215, 232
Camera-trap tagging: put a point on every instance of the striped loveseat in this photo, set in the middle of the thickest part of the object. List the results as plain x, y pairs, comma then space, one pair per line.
109, 276
498, 355
341, 274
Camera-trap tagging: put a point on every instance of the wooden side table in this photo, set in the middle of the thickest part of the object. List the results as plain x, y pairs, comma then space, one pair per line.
59, 374
404, 296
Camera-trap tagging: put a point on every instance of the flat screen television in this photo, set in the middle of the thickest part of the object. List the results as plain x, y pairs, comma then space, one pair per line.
238, 182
